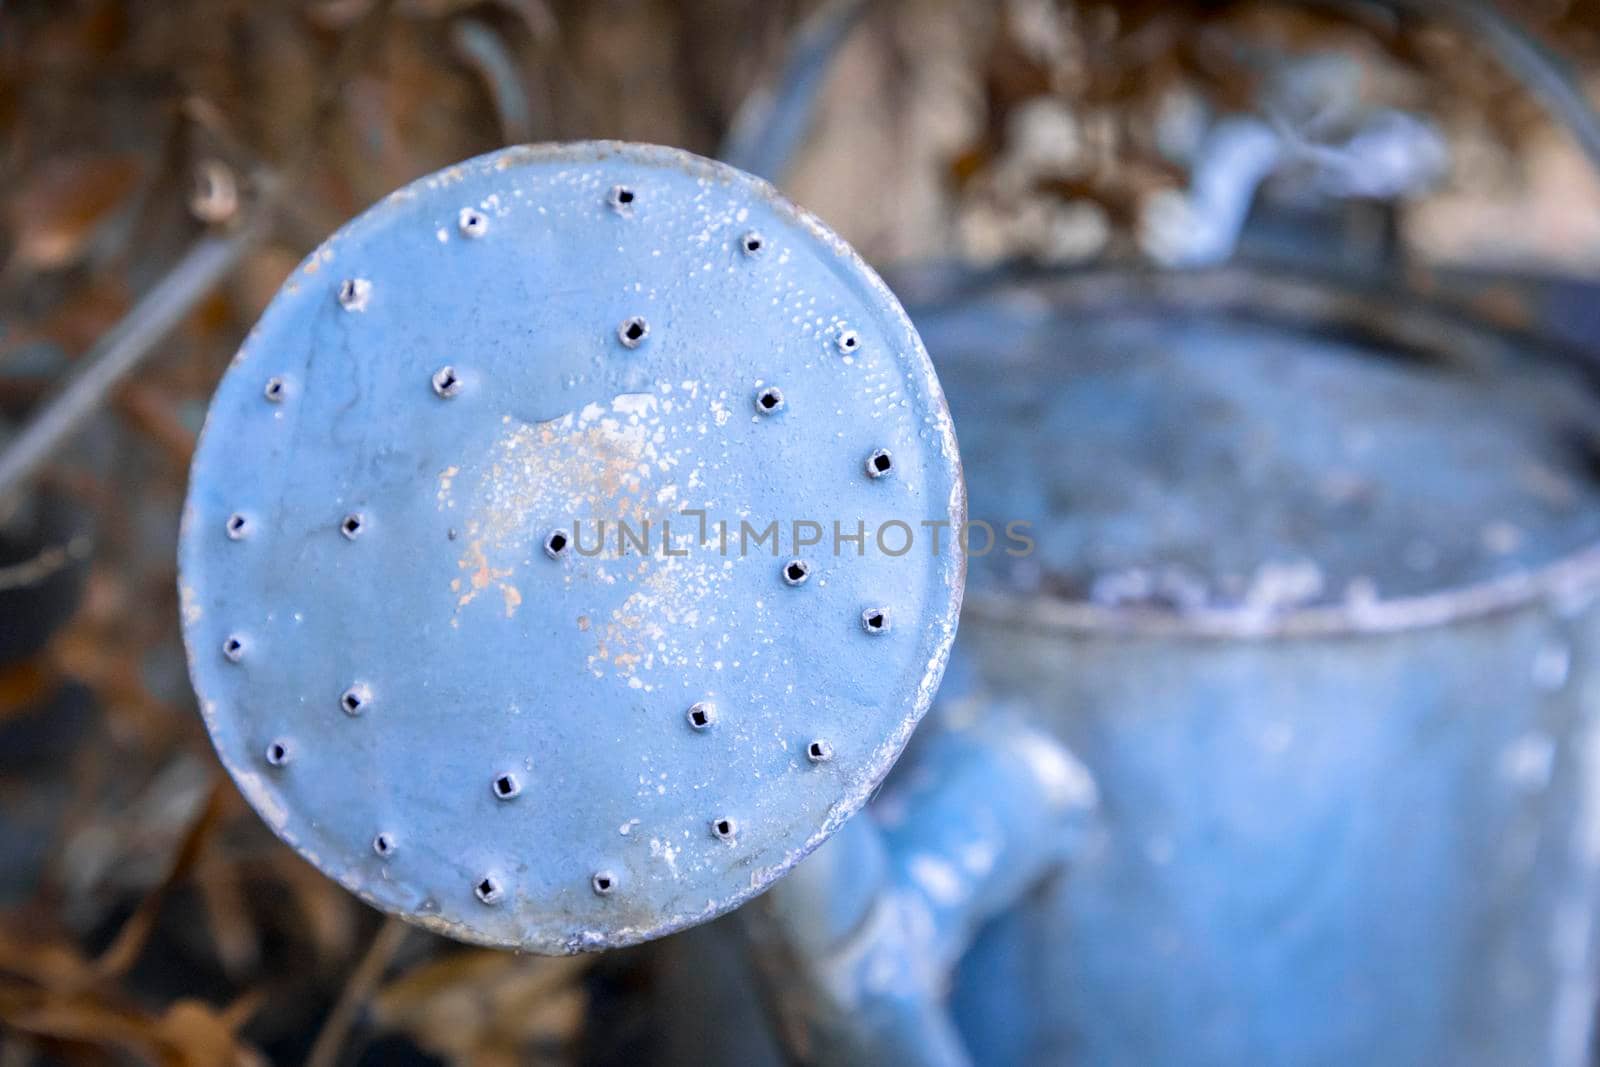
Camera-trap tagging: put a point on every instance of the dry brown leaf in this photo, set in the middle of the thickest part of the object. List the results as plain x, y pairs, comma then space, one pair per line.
198, 1036
61, 204
49, 964
476, 1004
78, 321
188, 1034
131, 938
24, 684
80, 1019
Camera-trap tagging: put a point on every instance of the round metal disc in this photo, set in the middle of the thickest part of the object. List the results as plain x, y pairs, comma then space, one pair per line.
426, 645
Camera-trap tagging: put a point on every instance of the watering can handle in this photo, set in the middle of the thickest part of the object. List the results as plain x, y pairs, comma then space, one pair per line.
771, 124
1542, 72
857, 944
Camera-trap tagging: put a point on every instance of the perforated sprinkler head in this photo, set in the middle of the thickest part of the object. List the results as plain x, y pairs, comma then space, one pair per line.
469, 602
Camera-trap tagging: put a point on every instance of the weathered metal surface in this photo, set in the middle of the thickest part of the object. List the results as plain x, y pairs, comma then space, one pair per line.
1314, 601
407, 649
1200, 438
859, 941
852, 952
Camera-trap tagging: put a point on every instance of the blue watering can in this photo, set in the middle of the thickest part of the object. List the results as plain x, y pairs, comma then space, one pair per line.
1271, 735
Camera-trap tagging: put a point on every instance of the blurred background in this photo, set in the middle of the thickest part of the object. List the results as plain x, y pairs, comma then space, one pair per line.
146, 915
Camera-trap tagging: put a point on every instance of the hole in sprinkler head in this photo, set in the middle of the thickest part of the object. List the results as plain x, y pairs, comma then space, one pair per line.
724, 828
752, 243
233, 648
383, 845
355, 699
875, 621
702, 715
603, 882
278, 753
487, 890
472, 223
769, 400
556, 543
848, 340
796, 571
353, 293
351, 526
880, 463
621, 198
238, 526
633, 331
819, 751
274, 390
506, 786
445, 381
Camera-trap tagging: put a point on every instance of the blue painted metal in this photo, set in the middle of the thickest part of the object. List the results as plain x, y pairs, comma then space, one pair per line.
859, 941
482, 726
1319, 621
1314, 600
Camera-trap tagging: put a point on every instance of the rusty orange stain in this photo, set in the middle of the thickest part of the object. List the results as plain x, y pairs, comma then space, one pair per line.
613, 461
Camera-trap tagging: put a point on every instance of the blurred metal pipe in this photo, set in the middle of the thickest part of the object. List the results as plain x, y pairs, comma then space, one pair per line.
478, 45
202, 268
120, 351
773, 121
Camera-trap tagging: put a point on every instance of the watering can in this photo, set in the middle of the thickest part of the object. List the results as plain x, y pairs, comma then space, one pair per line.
547, 579
1314, 601
1340, 760
558, 574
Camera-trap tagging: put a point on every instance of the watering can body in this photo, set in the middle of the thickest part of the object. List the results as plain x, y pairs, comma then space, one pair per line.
1355, 824
1373, 849
1331, 693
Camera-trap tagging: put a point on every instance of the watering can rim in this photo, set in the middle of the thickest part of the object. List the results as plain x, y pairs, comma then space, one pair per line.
1409, 317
